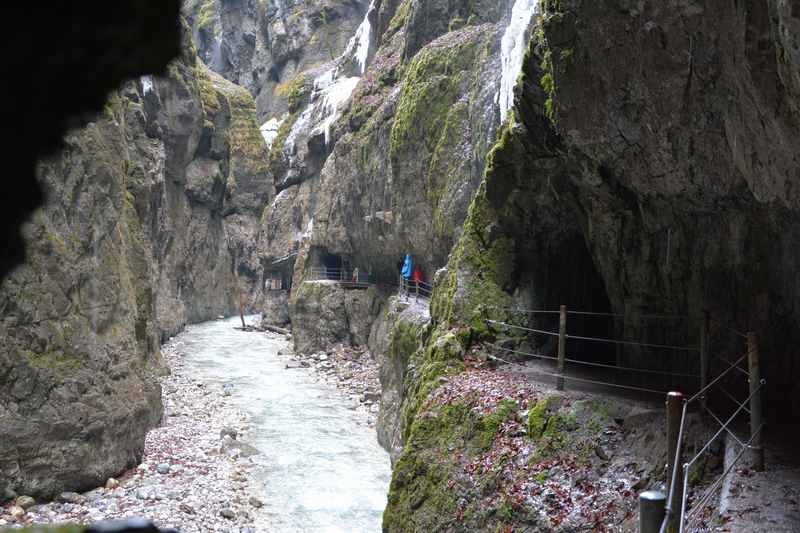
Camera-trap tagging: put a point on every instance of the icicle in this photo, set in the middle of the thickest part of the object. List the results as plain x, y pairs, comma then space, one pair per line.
513, 50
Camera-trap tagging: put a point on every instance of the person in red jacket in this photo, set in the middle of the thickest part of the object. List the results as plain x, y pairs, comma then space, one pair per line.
417, 277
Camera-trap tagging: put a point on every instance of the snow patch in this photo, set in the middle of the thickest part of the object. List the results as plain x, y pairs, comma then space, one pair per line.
333, 99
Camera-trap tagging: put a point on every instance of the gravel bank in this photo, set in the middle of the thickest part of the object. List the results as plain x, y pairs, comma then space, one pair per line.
352, 370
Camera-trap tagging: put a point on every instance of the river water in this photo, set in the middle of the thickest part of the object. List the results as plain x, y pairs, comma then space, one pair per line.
321, 466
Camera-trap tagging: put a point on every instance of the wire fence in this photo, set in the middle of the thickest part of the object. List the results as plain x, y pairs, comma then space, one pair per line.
355, 278
418, 289
686, 511
564, 358
351, 278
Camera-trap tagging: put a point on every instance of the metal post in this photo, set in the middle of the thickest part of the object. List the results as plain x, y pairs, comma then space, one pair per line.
674, 409
651, 511
562, 342
755, 402
704, 328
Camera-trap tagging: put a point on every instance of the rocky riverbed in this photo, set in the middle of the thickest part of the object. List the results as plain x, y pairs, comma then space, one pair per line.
352, 370
195, 474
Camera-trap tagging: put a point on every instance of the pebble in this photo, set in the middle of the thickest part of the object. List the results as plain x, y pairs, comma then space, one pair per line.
229, 431
112, 483
70, 497
25, 502
16, 512
601, 453
255, 502
227, 513
163, 468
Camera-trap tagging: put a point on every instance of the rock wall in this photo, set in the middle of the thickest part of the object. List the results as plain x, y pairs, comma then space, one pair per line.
389, 167
324, 314
394, 339
264, 46
88, 52
151, 215
656, 182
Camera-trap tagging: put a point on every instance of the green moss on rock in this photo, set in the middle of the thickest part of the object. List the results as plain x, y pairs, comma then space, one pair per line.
294, 91
59, 364
506, 410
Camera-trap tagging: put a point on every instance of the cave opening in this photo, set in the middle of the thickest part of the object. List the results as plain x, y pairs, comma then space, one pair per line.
324, 264
564, 273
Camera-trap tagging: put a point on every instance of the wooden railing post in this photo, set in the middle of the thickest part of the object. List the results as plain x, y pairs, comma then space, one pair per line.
755, 402
704, 329
562, 344
674, 410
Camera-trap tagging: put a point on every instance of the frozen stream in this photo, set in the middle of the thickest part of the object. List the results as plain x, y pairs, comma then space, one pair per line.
322, 468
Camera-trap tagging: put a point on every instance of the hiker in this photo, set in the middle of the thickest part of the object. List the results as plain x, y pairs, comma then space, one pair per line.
407, 271
355, 275
417, 277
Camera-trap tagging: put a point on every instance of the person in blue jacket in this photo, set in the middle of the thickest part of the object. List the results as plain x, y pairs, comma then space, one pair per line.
408, 270
408, 267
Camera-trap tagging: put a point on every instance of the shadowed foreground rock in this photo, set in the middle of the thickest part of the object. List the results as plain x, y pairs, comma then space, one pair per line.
133, 525
152, 209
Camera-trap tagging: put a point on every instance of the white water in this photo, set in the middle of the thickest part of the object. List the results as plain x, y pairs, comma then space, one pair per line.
322, 471
513, 51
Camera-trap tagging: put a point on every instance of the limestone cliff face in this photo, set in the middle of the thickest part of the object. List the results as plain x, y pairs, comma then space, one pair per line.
673, 191
150, 217
264, 46
382, 150
658, 181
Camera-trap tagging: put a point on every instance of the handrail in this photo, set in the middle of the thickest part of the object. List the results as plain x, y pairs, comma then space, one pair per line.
699, 393
647, 316
596, 339
685, 517
581, 380
592, 363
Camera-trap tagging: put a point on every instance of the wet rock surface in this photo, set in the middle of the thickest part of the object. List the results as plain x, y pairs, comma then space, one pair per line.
189, 478
325, 313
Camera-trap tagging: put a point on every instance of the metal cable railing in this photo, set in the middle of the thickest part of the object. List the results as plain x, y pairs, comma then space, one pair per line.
592, 363
646, 316
689, 517
418, 289
681, 510
596, 339
579, 380
353, 277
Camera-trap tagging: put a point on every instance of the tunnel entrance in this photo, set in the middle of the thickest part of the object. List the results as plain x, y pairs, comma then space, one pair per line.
630, 345
563, 273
